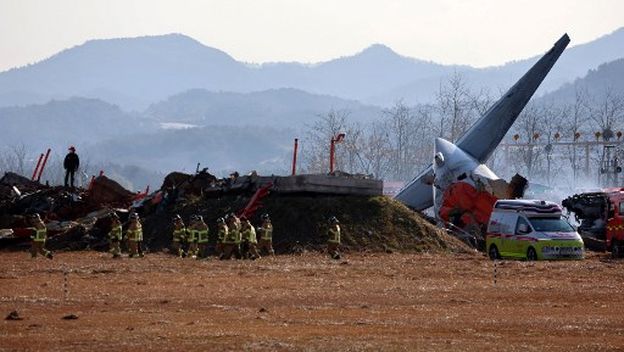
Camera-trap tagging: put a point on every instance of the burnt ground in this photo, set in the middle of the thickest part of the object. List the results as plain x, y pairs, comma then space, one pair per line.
369, 301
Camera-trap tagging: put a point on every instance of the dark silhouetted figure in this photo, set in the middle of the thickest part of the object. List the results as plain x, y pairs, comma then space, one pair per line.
71, 164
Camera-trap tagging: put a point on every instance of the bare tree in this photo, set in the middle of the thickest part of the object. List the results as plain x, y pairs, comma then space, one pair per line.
376, 151
14, 159
422, 138
348, 153
552, 118
575, 123
399, 127
528, 127
457, 106
315, 150
607, 111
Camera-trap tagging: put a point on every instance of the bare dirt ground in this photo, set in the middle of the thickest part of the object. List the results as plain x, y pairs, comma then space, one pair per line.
365, 302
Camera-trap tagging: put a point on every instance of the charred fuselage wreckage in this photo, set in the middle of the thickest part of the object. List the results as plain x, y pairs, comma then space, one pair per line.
458, 184
464, 191
601, 218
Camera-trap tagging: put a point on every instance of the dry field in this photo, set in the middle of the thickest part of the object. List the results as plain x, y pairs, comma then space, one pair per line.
365, 302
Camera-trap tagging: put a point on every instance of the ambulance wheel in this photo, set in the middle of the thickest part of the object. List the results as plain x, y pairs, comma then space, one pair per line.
616, 249
493, 252
531, 254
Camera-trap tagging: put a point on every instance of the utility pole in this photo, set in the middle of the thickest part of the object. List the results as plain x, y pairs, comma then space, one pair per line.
294, 162
339, 138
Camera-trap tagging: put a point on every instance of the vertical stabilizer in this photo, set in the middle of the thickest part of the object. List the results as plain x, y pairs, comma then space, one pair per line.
485, 134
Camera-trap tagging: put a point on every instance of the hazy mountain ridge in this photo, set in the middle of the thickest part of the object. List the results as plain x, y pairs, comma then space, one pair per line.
136, 72
221, 148
597, 82
276, 107
368, 73
143, 69
575, 62
60, 123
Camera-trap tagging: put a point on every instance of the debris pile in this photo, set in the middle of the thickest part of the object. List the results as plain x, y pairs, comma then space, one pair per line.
71, 216
103, 190
599, 217
81, 219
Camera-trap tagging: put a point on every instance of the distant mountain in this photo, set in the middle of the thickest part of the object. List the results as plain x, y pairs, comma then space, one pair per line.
574, 63
22, 98
608, 76
577, 60
368, 73
272, 108
135, 72
129, 72
58, 124
223, 149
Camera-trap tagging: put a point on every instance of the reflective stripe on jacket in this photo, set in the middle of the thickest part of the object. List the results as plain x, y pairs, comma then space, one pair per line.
191, 235
334, 234
115, 233
266, 232
202, 236
249, 234
233, 236
179, 234
223, 233
39, 235
135, 234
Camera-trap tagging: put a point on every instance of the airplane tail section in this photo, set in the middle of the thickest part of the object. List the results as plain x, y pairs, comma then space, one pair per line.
486, 134
483, 137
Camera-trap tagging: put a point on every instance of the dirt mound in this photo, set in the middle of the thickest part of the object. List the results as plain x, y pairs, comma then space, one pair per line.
369, 223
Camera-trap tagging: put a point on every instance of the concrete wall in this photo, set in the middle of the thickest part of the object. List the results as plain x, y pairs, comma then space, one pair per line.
320, 184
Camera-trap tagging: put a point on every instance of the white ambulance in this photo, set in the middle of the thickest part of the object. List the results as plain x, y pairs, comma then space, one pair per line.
532, 230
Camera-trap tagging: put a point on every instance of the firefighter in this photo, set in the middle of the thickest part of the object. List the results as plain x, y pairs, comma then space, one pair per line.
244, 245
231, 242
201, 233
38, 237
71, 164
249, 244
135, 235
235, 219
179, 236
191, 238
222, 233
266, 235
333, 242
238, 225
115, 236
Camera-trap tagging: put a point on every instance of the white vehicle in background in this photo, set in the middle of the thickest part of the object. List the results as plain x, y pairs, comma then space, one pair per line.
532, 230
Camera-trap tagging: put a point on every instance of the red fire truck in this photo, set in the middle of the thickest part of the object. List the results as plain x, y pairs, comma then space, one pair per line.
601, 217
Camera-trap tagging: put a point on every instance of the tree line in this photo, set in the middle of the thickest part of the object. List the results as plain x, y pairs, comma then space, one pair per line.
399, 144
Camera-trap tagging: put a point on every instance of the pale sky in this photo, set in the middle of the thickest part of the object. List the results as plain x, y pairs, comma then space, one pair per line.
474, 32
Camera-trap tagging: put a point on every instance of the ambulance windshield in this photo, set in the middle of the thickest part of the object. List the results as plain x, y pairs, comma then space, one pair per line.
550, 225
